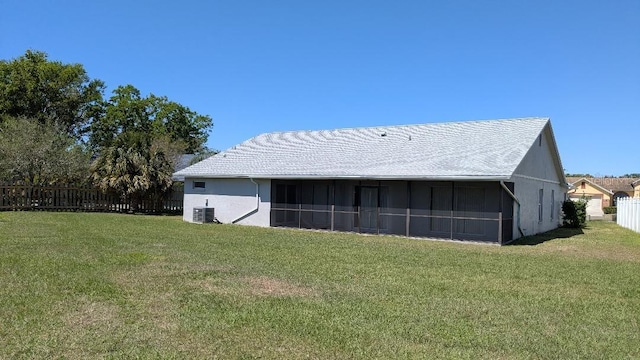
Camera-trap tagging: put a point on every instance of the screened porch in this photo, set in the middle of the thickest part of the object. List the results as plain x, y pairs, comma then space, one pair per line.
477, 211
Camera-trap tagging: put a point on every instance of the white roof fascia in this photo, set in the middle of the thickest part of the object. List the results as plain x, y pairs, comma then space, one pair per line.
384, 177
563, 180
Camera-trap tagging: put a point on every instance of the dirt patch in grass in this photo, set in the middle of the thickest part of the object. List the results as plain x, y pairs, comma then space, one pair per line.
92, 314
213, 286
267, 286
85, 321
253, 286
204, 268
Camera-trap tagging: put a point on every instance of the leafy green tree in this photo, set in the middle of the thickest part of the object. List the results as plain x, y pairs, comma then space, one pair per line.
127, 116
38, 154
50, 92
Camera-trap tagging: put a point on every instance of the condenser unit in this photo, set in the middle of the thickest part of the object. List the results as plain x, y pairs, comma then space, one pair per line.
203, 215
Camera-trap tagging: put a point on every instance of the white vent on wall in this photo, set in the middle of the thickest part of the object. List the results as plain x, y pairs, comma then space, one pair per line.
203, 215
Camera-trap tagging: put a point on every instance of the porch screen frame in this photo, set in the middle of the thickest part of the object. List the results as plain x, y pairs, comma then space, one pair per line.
432, 209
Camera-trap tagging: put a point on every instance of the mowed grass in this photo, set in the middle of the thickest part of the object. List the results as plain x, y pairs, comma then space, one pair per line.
83, 285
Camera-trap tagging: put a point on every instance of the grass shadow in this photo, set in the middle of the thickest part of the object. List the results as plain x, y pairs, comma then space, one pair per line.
559, 233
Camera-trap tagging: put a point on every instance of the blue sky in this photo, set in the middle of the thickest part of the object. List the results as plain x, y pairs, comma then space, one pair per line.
260, 66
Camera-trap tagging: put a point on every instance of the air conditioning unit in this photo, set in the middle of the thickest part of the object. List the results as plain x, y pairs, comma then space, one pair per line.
203, 215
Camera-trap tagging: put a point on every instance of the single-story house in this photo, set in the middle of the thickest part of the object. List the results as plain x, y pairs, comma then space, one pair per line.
602, 191
492, 180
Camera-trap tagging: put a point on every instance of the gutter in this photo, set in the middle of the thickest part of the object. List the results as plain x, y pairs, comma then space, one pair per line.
257, 204
352, 177
515, 199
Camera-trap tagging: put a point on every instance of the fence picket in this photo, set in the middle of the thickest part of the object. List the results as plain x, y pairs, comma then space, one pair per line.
628, 216
72, 198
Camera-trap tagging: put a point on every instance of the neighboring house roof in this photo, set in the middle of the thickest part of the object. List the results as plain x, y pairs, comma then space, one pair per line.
607, 184
575, 182
489, 149
182, 163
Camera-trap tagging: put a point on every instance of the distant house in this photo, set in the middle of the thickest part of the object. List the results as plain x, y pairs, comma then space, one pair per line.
602, 191
490, 181
183, 161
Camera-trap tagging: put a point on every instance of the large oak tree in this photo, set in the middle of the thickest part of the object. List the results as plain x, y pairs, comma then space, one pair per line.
127, 115
50, 92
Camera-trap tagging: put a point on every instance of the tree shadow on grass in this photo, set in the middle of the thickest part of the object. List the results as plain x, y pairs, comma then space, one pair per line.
559, 233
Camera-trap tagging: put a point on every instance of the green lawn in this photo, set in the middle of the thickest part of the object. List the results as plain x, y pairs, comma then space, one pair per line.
78, 285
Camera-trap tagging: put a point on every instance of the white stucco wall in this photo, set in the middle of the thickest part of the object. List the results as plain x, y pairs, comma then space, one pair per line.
527, 192
231, 199
539, 170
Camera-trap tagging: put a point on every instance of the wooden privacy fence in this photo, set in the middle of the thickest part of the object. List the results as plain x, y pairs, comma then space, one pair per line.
78, 198
628, 210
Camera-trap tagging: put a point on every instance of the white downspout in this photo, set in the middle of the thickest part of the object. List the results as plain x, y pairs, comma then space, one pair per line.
517, 202
257, 203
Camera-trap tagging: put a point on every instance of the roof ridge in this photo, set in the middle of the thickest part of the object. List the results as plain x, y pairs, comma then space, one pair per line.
405, 125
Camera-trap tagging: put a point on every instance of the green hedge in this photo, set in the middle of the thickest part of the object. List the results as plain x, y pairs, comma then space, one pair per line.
574, 213
610, 210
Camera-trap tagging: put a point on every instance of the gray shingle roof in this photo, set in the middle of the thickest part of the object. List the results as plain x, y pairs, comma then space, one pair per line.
472, 149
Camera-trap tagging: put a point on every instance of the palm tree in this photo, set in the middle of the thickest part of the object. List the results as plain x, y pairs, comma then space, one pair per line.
135, 173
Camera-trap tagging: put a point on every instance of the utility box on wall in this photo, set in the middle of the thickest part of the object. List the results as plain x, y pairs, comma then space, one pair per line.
203, 215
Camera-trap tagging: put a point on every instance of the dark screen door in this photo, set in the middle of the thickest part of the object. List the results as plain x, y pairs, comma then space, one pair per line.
369, 209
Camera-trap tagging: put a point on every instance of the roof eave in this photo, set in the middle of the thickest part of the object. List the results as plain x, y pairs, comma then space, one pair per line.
353, 177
